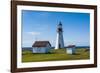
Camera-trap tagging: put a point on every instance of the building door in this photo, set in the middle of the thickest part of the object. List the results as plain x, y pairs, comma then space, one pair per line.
59, 46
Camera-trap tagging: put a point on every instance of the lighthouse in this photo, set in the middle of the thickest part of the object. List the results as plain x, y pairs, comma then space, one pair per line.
59, 38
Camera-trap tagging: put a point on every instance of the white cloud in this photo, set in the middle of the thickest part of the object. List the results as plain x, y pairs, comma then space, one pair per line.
34, 33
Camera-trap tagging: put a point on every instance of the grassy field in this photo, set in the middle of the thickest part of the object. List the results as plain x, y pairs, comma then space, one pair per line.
54, 55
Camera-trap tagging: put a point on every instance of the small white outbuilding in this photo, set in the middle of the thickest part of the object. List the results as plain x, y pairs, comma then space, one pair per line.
70, 49
41, 47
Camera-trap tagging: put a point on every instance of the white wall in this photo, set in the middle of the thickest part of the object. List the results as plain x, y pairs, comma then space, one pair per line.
70, 50
40, 49
5, 37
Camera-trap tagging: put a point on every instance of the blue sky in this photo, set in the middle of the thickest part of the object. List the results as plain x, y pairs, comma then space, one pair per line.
42, 25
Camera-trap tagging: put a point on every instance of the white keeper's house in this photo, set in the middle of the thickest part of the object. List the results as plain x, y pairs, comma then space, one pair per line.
41, 47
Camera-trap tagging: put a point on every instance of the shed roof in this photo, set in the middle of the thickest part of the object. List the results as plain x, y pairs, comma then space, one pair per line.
41, 43
70, 46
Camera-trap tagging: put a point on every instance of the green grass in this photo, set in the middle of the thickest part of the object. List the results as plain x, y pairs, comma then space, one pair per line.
54, 55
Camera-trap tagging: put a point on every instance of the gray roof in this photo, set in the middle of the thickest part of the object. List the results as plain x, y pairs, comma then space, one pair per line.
70, 46
41, 43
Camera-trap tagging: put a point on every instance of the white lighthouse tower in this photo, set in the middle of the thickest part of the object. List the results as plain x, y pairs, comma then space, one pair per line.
59, 39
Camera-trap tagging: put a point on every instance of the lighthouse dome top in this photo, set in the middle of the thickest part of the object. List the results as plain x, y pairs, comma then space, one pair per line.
59, 27
60, 23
